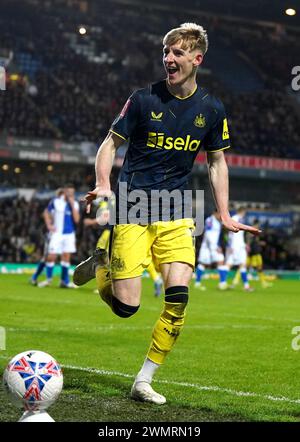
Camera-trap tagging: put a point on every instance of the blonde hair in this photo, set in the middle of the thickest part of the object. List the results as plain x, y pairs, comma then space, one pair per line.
59, 191
193, 37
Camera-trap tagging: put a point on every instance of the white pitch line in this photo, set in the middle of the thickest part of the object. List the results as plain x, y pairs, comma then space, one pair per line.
113, 327
181, 384
264, 318
187, 384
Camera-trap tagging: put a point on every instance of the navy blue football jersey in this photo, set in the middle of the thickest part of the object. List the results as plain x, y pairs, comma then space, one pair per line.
165, 135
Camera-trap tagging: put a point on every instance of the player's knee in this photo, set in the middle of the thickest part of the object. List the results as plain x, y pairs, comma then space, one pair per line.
176, 299
123, 310
177, 294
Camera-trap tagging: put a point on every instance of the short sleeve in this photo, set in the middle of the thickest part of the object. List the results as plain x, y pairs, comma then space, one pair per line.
218, 136
126, 121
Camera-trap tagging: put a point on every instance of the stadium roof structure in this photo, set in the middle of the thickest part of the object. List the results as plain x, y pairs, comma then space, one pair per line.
257, 10
272, 11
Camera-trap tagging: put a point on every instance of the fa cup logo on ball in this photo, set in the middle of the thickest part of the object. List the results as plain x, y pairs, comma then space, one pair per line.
33, 381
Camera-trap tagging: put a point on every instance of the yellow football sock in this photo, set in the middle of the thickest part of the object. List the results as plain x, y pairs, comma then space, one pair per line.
104, 285
152, 272
237, 277
261, 276
169, 325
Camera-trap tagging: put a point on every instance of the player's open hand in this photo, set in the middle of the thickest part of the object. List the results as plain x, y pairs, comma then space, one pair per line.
94, 194
234, 226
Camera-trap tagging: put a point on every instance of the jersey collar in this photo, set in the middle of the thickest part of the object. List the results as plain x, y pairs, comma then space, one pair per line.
182, 98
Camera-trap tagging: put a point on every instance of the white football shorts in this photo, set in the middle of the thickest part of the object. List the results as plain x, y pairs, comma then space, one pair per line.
209, 254
62, 243
236, 256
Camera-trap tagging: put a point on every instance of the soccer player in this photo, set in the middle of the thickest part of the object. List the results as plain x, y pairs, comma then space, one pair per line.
167, 124
61, 217
255, 259
210, 251
236, 253
42, 263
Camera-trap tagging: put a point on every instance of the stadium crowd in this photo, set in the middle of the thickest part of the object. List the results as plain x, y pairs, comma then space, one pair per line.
73, 85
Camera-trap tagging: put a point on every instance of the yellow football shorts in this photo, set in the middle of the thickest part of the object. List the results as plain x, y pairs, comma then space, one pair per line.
255, 261
103, 241
134, 246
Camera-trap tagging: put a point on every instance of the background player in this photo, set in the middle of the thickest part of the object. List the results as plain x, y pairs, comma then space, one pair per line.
255, 259
236, 253
42, 263
61, 216
210, 251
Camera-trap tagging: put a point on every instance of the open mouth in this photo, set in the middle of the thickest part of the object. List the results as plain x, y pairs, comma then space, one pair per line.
171, 70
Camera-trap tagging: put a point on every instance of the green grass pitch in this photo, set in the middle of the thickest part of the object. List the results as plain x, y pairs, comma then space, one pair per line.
233, 361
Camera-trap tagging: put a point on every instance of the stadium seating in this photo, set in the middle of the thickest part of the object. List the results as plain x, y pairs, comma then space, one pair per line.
72, 86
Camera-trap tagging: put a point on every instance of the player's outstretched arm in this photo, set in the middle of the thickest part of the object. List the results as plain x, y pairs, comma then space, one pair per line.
103, 166
218, 177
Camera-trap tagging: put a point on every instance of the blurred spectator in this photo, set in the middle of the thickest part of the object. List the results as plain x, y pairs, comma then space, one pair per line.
71, 87
22, 232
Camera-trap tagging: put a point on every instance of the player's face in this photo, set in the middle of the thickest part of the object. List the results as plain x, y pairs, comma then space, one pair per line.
70, 192
180, 64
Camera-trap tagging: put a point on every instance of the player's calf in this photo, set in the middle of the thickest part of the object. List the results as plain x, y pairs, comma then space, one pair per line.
170, 323
105, 290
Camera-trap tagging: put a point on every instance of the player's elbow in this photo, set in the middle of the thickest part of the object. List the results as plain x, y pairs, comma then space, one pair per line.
214, 158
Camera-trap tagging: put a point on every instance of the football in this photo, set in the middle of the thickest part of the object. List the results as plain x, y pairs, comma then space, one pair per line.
33, 380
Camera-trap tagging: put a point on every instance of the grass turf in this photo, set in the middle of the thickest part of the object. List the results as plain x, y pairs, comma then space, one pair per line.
233, 361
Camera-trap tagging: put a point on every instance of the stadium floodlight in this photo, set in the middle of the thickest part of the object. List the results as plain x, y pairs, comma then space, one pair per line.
290, 11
